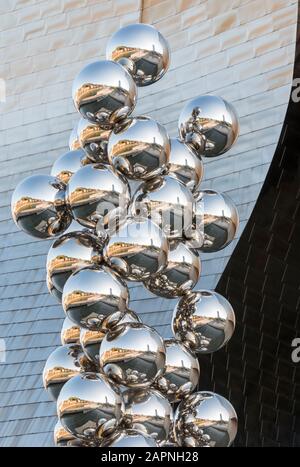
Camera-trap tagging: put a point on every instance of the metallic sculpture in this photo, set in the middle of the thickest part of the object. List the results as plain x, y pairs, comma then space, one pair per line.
205, 419
115, 378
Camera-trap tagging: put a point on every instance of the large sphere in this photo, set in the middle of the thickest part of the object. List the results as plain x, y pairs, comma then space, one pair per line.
168, 203
74, 142
137, 250
90, 342
104, 92
139, 148
92, 294
63, 363
38, 206
148, 411
204, 321
217, 220
180, 275
182, 372
142, 50
68, 164
70, 332
205, 419
93, 139
90, 407
129, 439
185, 165
133, 355
209, 124
63, 438
69, 253
94, 191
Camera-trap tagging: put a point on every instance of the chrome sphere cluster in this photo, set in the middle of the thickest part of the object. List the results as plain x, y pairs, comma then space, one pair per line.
115, 379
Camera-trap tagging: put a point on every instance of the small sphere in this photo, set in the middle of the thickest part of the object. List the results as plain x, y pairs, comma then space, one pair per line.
142, 50
93, 139
133, 354
70, 332
204, 321
129, 439
185, 165
205, 419
104, 92
68, 164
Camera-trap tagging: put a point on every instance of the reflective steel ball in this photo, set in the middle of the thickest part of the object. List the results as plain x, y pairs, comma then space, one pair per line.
74, 142
129, 439
94, 191
182, 372
142, 50
90, 295
104, 92
63, 363
205, 419
148, 411
185, 165
210, 125
70, 332
69, 253
90, 407
204, 321
133, 355
137, 250
38, 206
139, 148
90, 342
219, 220
168, 203
68, 164
180, 275
93, 139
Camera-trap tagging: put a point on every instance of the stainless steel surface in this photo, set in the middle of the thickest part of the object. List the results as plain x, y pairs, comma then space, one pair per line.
180, 274
129, 439
169, 203
181, 374
63, 438
94, 191
90, 342
68, 164
104, 92
38, 206
70, 332
93, 139
185, 165
142, 50
205, 419
139, 148
74, 142
204, 321
91, 295
148, 411
133, 354
210, 124
90, 407
137, 250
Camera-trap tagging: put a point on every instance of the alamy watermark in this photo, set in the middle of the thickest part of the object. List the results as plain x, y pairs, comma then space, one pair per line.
296, 351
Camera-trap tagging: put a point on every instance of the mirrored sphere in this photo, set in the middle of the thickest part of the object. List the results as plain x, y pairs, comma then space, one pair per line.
149, 412
217, 218
63, 438
205, 419
89, 406
142, 50
90, 295
133, 354
93, 139
182, 372
204, 321
209, 124
168, 203
70, 332
129, 439
74, 142
185, 165
139, 148
104, 92
180, 275
68, 164
69, 253
94, 191
137, 250
38, 206
63, 363
90, 342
